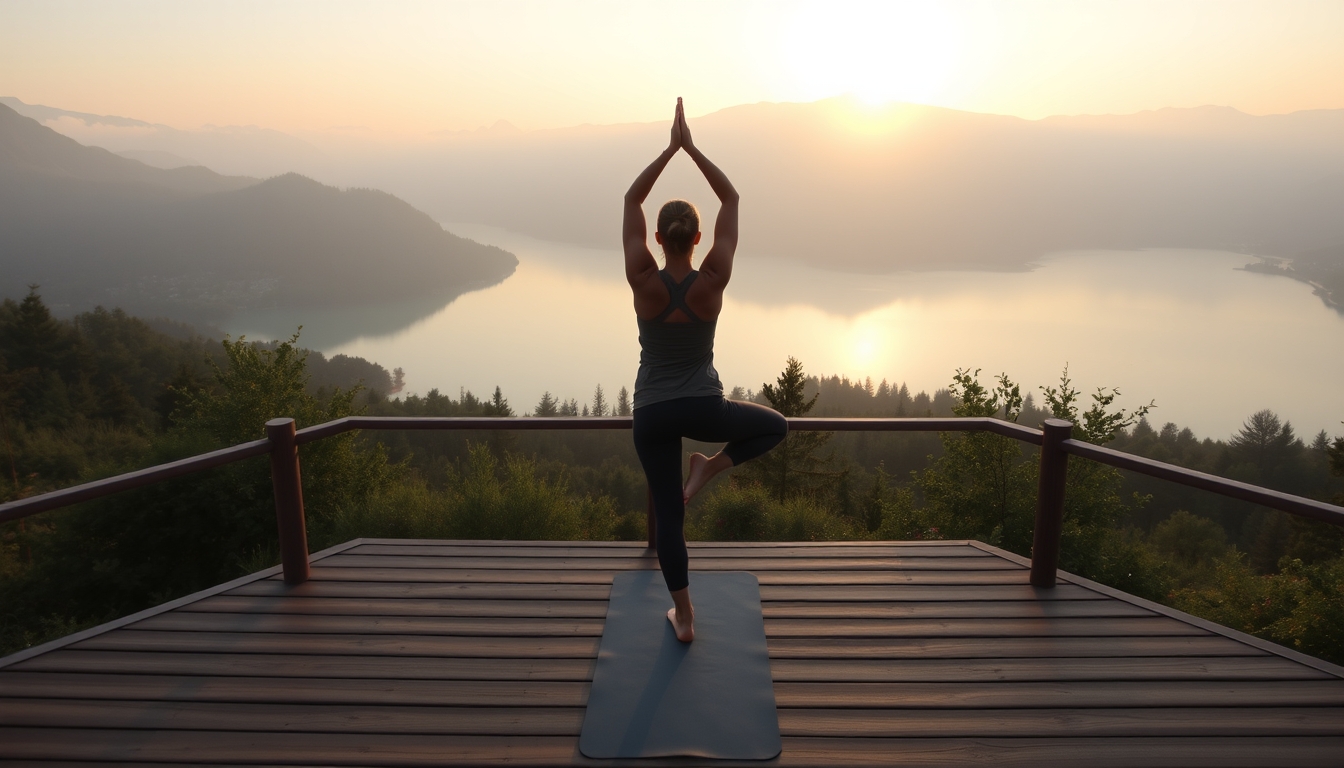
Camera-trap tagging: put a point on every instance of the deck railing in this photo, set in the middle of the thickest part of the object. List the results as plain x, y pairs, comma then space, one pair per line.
283, 440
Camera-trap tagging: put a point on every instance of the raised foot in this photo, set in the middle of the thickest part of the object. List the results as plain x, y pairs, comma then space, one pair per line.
684, 633
701, 472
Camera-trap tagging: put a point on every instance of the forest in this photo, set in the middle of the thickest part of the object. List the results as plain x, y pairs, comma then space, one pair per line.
105, 392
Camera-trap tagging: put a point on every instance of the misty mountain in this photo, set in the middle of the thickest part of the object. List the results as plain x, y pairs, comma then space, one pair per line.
841, 186
242, 150
158, 158
905, 187
94, 228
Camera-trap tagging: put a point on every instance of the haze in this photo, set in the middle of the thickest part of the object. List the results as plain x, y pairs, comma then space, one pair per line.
970, 142
407, 69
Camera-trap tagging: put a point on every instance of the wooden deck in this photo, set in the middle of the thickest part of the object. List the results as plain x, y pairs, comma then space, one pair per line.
455, 653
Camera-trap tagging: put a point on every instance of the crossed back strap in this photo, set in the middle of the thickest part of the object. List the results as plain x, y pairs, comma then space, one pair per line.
676, 296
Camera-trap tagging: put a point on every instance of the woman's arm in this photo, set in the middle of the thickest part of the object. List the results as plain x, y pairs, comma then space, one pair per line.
717, 266
640, 265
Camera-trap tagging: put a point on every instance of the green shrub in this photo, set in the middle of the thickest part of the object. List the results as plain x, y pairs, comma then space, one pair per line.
750, 513
1301, 606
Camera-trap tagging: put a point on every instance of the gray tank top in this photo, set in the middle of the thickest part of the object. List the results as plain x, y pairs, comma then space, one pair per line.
676, 359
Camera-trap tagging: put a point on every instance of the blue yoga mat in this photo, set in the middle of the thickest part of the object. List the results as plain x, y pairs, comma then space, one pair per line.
654, 696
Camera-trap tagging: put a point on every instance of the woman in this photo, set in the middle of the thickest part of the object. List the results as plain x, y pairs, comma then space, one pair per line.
677, 391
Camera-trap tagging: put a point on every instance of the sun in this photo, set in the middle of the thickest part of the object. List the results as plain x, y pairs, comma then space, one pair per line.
876, 51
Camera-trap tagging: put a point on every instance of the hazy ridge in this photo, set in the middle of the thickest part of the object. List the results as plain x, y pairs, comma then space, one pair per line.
94, 228
912, 187
838, 185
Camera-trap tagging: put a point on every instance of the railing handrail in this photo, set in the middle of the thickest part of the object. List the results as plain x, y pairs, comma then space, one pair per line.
1056, 446
1285, 502
15, 510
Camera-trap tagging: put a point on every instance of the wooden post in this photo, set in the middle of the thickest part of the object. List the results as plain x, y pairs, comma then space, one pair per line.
288, 487
651, 522
1050, 503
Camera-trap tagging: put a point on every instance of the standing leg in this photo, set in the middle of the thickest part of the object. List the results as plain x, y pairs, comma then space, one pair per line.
658, 443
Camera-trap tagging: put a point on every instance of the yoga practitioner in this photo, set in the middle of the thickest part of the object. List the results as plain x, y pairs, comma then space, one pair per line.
677, 391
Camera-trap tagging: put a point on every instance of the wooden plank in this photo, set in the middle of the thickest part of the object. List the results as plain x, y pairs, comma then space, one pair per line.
1062, 723
264, 690
1042, 670
561, 721
432, 750
377, 625
416, 591
360, 645
335, 606
551, 591
699, 563
586, 647
307, 665
284, 748
893, 577
310, 718
104, 764
504, 576
940, 610
1196, 693
1121, 752
958, 627
726, 549
899, 695
463, 576
867, 593
1006, 647
561, 627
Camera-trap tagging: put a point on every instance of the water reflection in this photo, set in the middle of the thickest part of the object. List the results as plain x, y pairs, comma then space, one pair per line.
1210, 343
330, 327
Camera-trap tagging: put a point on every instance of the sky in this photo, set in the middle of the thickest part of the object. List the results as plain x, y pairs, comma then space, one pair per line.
410, 68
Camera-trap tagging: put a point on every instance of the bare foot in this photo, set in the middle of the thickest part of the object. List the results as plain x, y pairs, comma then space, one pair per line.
685, 633
703, 469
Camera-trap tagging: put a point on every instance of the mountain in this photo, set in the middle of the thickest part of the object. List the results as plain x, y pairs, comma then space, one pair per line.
842, 186
838, 185
92, 228
158, 158
239, 150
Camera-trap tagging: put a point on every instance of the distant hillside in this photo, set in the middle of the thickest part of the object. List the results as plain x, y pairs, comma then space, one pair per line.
94, 228
908, 187
232, 149
842, 186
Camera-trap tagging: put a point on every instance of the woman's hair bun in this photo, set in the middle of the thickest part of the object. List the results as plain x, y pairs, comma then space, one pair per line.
678, 223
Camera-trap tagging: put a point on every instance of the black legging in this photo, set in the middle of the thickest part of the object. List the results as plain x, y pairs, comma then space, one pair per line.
749, 429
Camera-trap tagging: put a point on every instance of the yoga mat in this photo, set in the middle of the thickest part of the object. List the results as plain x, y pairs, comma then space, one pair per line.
654, 696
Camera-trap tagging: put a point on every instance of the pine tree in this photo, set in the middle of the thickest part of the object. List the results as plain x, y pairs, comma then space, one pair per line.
793, 467
497, 406
599, 402
547, 406
623, 402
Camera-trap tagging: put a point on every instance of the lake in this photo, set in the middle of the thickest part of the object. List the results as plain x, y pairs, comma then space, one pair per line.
1209, 342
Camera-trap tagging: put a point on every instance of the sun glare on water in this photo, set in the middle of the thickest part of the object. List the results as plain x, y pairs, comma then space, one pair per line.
877, 51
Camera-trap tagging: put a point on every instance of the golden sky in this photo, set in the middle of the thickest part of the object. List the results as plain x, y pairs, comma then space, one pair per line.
413, 67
